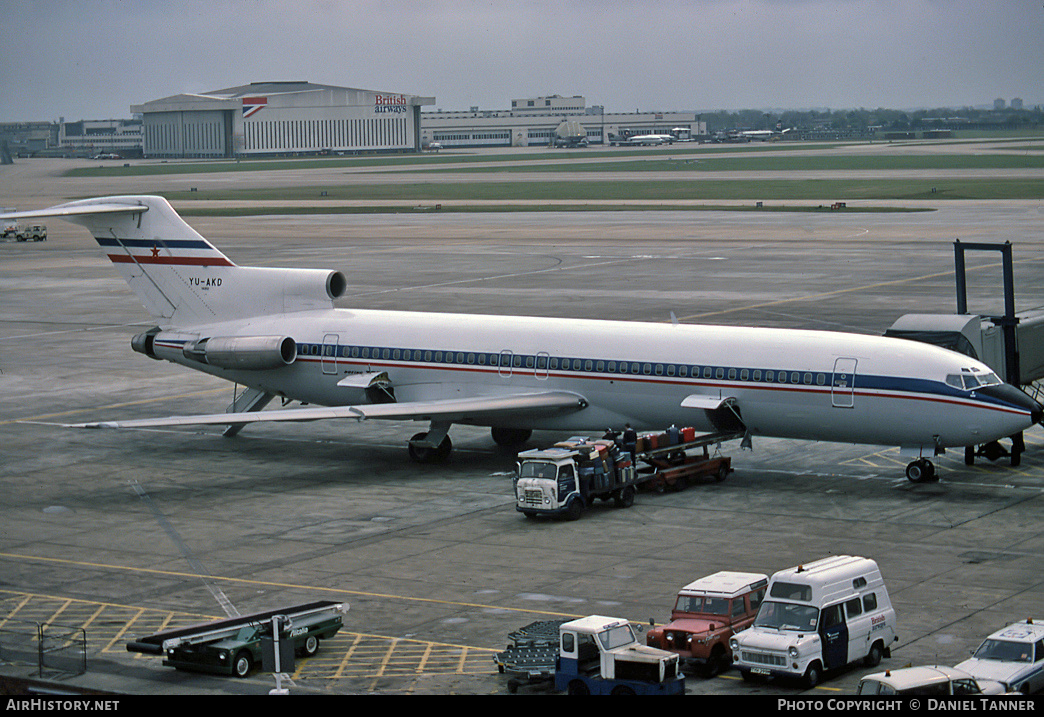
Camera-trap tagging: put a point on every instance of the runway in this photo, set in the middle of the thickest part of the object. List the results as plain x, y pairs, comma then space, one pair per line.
121, 532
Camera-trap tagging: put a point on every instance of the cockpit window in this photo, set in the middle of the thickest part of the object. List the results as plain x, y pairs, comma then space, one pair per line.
969, 381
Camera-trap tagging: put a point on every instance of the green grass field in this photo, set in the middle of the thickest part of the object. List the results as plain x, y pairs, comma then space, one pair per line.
509, 180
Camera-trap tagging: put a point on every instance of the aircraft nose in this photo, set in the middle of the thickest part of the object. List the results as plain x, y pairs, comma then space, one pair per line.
1017, 398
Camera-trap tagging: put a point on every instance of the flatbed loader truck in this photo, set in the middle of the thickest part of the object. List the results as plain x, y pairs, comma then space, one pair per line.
233, 646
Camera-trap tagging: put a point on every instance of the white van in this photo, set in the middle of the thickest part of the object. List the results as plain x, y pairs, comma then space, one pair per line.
817, 617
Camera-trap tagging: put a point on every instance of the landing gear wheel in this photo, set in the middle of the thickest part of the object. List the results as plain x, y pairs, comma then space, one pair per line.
426, 454
969, 455
510, 437
920, 471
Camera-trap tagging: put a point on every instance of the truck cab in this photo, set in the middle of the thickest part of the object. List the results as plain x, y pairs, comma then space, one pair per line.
706, 614
602, 655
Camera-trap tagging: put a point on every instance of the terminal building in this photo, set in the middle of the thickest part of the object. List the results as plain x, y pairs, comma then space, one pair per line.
278, 118
533, 121
91, 137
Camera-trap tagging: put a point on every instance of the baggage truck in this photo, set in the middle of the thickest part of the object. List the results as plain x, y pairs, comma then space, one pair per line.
234, 646
569, 477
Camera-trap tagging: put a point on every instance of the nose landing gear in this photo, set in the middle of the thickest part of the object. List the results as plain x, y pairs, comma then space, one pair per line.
921, 471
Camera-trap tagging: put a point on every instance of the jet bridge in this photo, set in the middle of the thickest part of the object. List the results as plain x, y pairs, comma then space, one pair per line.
1012, 344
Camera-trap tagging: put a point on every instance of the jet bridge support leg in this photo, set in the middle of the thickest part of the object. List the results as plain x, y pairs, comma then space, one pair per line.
250, 400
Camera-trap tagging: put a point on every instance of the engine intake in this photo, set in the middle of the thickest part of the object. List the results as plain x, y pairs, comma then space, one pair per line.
243, 352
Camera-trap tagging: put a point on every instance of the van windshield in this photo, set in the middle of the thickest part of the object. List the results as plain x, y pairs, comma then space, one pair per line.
786, 616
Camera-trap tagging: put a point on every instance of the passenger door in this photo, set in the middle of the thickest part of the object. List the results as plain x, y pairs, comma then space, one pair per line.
842, 385
834, 635
330, 350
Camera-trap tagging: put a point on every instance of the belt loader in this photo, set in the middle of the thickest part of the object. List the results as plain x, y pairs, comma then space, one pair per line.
233, 646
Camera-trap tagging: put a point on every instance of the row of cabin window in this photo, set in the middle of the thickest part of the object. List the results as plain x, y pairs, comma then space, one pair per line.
544, 362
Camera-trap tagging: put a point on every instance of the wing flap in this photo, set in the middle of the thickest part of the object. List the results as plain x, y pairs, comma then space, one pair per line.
458, 410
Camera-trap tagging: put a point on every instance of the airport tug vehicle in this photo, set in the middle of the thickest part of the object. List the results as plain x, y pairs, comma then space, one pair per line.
234, 646
593, 655
706, 614
569, 477
600, 655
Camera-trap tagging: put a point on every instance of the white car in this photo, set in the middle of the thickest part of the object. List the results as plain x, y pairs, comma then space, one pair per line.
932, 681
1014, 656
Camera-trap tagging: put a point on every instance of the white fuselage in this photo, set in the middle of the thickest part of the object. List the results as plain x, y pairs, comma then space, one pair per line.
814, 385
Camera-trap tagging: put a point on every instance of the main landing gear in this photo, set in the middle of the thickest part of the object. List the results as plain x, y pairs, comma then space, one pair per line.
433, 445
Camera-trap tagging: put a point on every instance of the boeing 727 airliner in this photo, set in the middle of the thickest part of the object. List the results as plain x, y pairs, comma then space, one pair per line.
276, 331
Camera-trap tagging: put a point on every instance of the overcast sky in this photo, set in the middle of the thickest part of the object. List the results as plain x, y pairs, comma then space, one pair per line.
92, 59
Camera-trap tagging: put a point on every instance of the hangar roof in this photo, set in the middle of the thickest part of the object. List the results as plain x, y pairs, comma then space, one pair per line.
229, 98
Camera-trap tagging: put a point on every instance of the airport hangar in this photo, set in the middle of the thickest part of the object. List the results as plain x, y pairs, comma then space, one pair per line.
272, 118
279, 118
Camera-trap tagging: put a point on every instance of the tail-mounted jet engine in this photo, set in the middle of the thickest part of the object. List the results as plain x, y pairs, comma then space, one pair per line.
243, 352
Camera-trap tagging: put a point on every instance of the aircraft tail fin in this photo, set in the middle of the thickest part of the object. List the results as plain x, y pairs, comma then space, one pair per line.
180, 277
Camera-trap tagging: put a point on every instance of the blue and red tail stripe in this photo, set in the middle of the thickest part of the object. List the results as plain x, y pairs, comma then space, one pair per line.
170, 252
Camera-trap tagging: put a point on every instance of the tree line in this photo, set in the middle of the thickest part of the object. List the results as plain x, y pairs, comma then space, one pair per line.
867, 120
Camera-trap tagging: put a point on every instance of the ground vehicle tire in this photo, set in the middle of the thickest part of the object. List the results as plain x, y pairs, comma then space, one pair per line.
574, 510
873, 658
242, 664
310, 646
625, 498
813, 675
723, 473
717, 663
577, 687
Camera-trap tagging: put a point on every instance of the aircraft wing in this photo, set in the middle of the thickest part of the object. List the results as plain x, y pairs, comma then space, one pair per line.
480, 409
